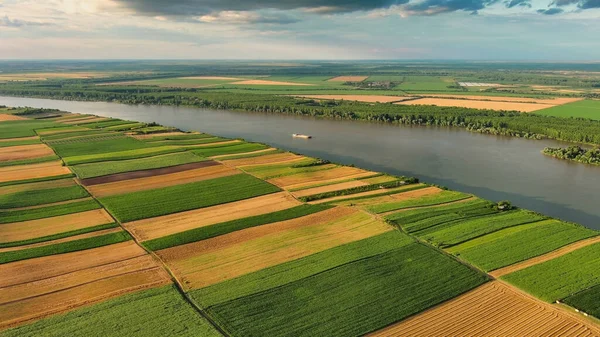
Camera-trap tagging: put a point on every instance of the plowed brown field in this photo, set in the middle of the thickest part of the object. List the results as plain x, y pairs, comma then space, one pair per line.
492, 309
67, 239
42, 170
7, 117
25, 152
463, 103
153, 228
266, 159
306, 179
348, 79
160, 181
207, 262
329, 188
25, 230
360, 98
543, 258
265, 82
53, 294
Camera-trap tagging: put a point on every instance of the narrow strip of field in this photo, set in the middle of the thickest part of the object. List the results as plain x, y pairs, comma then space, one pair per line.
146, 173
51, 204
26, 230
266, 82
62, 240
7, 117
227, 256
159, 134
40, 186
303, 179
8, 140
250, 154
546, 257
264, 160
550, 101
86, 120
329, 188
153, 228
22, 152
33, 171
492, 309
348, 79
360, 98
47, 211
370, 197
490, 105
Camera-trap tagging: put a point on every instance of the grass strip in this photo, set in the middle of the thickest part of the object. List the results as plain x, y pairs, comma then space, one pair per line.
58, 235
36, 180
47, 212
65, 247
162, 201
29, 161
211, 231
20, 142
40, 197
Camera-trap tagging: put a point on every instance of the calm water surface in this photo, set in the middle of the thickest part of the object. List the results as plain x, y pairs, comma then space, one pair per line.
492, 167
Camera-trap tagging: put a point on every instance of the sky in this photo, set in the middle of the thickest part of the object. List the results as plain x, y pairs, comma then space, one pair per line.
523, 30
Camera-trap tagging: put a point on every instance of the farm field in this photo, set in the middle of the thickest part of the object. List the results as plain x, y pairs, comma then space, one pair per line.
481, 104
251, 240
360, 98
581, 109
587, 301
22, 152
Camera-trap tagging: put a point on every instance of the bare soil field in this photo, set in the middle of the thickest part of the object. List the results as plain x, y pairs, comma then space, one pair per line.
165, 180
67, 239
265, 82
348, 79
360, 98
266, 159
146, 173
161, 134
21, 152
301, 179
416, 194
153, 228
42, 170
492, 309
555, 101
24, 230
17, 139
37, 186
7, 117
543, 258
24, 302
211, 261
462, 103
329, 188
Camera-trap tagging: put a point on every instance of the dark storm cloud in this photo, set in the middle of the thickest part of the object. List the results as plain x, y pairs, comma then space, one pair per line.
202, 7
551, 11
589, 4
518, 3
433, 7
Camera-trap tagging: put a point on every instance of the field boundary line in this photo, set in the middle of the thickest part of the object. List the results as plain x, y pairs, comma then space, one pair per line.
545, 257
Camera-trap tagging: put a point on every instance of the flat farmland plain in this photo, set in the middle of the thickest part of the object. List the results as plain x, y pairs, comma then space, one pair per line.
33, 172
482, 104
25, 152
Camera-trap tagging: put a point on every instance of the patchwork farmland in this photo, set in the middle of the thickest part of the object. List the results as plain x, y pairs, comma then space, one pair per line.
130, 229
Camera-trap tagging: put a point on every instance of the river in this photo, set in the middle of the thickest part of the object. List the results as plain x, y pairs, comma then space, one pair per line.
492, 167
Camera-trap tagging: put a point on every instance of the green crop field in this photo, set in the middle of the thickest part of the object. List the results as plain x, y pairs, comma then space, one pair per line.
193, 141
587, 301
24, 128
581, 109
35, 180
188, 136
428, 200
251, 155
99, 147
58, 235
29, 161
281, 170
64, 247
519, 243
74, 134
150, 313
229, 149
105, 168
457, 232
151, 203
104, 124
207, 232
46, 196
121, 155
47, 212
560, 277
20, 142
351, 299
425, 83
125, 127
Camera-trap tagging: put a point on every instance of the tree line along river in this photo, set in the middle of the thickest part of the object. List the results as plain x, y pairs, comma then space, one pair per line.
491, 167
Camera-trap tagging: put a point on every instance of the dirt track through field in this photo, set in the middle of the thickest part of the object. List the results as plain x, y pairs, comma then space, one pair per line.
265, 82
7, 117
67, 239
329, 188
153, 228
211, 261
360, 98
546, 257
462, 103
146, 173
348, 79
42, 170
492, 309
65, 292
166, 180
22, 152
25, 230
331, 175
264, 160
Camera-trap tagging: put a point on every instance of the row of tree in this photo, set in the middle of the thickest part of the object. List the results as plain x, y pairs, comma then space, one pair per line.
575, 153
